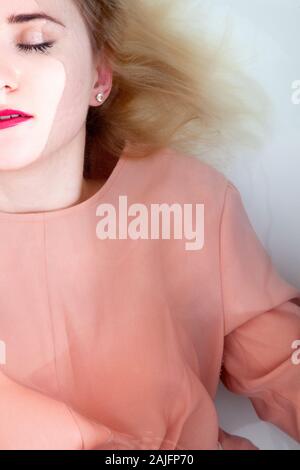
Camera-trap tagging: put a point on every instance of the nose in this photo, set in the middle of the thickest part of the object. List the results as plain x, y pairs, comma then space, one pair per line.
4, 90
7, 80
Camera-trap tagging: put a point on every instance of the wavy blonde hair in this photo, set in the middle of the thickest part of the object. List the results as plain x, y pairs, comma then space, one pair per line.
172, 87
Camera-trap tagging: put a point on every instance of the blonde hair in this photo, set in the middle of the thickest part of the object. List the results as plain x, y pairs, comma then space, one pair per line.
171, 87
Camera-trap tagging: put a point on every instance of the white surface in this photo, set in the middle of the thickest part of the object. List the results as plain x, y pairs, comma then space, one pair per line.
269, 181
237, 416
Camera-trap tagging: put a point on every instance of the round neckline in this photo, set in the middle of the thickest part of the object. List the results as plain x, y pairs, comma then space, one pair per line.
71, 210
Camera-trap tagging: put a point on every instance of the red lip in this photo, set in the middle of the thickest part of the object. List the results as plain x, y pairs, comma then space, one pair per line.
8, 112
12, 122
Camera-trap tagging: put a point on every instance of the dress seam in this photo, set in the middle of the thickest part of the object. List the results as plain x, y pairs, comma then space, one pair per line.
220, 269
52, 329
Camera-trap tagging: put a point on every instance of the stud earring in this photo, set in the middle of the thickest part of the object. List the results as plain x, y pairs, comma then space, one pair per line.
100, 98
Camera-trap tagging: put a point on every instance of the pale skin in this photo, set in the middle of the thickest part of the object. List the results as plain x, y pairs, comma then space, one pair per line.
41, 160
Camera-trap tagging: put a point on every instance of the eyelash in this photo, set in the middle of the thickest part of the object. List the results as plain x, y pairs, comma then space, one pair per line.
43, 48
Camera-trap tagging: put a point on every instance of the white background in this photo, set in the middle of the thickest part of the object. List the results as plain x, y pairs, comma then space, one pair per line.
269, 181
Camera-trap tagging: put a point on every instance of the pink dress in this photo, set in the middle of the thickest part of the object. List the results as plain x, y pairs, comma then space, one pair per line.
120, 344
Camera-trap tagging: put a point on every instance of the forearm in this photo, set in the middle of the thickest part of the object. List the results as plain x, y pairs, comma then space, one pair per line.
31, 420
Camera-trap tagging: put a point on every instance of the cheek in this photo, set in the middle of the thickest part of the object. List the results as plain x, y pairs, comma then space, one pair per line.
75, 100
47, 90
78, 64
62, 95
42, 85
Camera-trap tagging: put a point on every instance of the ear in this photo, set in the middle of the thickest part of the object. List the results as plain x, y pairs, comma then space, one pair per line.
103, 77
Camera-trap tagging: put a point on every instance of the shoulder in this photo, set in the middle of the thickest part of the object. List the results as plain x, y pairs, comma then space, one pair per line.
194, 170
171, 174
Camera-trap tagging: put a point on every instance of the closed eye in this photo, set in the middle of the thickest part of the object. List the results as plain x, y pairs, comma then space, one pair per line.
36, 47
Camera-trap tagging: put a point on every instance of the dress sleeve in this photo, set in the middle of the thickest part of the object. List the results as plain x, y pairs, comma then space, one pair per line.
261, 357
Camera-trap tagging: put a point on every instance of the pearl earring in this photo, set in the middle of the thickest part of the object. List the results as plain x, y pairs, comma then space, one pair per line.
100, 98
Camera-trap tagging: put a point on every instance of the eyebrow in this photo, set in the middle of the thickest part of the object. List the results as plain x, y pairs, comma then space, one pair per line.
25, 18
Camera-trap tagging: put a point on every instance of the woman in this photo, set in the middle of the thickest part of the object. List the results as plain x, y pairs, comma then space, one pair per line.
117, 343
